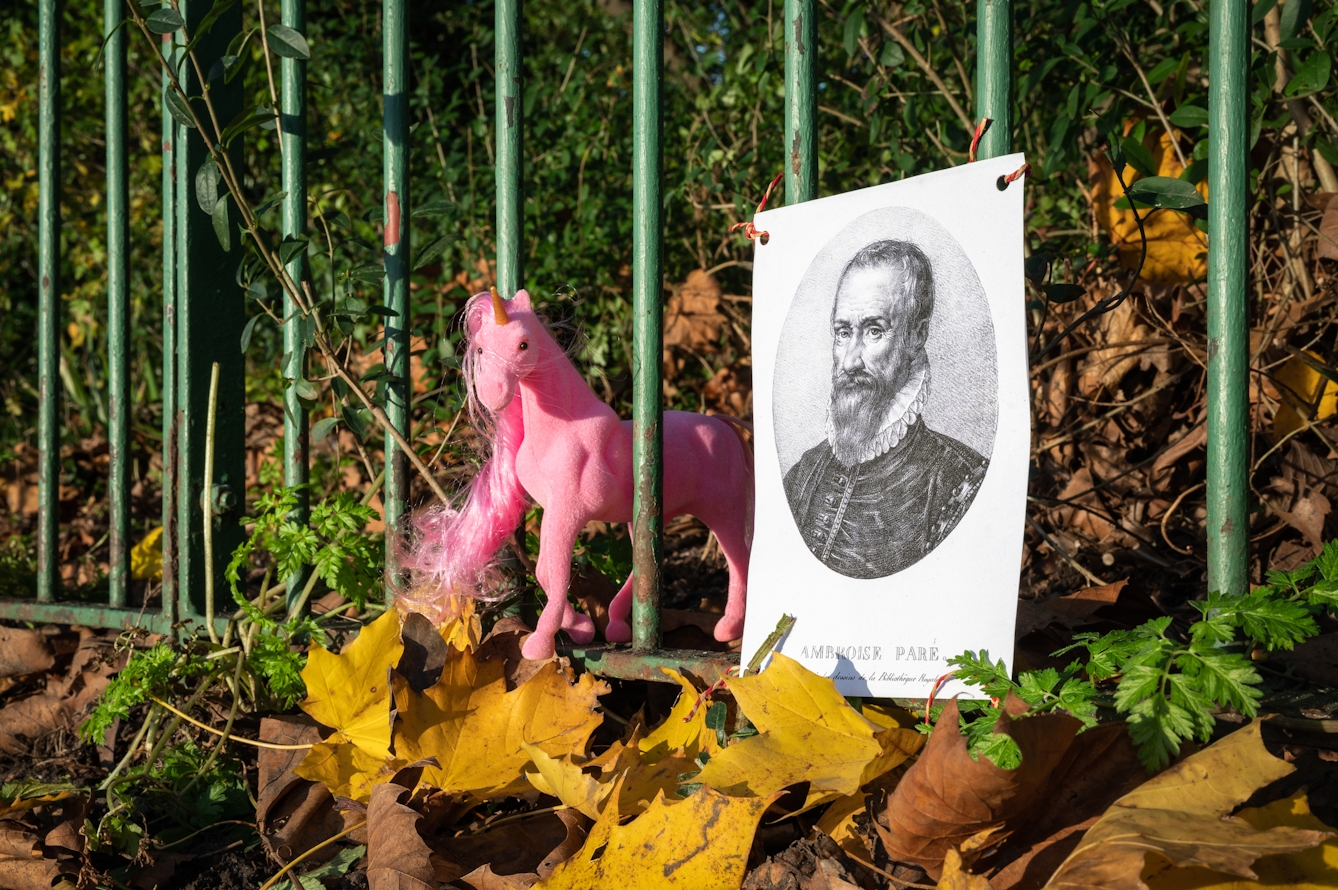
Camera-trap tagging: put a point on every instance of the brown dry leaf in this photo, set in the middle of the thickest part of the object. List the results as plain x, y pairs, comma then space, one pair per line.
397, 858
1316, 659
425, 652
1180, 817
1102, 766
700, 843
66, 698
692, 315
1176, 248
59, 828
946, 797
807, 732
28, 874
1070, 610
157, 874
24, 651
503, 644
1105, 368
476, 729
350, 692
515, 851
484, 878
1307, 870
293, 814
1328, 232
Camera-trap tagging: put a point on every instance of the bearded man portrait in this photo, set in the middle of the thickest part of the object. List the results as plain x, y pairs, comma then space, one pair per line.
883, 489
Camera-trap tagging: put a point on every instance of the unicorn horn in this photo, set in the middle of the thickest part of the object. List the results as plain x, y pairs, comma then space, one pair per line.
498, 310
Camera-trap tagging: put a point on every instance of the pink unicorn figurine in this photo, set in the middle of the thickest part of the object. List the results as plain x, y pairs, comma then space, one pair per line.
555, 441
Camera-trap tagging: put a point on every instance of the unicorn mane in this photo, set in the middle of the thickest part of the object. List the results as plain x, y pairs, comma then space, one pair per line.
454, 547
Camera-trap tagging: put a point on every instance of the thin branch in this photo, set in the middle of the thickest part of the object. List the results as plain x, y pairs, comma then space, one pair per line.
927, 69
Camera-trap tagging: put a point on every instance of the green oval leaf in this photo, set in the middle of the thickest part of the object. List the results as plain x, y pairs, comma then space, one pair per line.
321, 428
206, 185
1166, 192
1063, 293
164, 21
1295, 13
370, 272
222, 228
1137, 156
286, 42
306, 390
290, 248
1311, 77
437, 207
249, 330
1190, 116
179, 110
433, 251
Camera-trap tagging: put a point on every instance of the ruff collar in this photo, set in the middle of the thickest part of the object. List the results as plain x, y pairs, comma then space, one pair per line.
902, 414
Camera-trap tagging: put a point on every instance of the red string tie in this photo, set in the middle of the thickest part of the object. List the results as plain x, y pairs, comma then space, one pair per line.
1017, 174
749, 230
938, 684
975, 139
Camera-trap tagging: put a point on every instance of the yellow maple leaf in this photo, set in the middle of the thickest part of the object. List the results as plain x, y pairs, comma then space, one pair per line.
563, 778
838, 823
346, 769
459, 623
1301, 385
700, 842
146, 557
679, 730
1177, 250
807, 732
477, 730
350, 692
1308, 870
1180, 817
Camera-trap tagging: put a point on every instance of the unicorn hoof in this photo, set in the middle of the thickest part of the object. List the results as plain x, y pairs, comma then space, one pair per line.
727, 629
581, 629
618, 631
537, 648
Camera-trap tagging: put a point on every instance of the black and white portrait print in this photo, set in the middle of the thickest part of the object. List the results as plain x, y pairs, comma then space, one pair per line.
885, 393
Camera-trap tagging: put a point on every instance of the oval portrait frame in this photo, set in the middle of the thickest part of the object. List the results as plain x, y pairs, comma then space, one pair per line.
963, 353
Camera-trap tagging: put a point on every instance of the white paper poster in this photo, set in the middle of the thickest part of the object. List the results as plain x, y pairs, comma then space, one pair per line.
893, 428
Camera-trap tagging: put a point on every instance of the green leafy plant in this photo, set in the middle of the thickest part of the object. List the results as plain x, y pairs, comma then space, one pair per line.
1166, 685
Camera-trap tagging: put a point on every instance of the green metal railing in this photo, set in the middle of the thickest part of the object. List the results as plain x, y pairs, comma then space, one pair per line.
203, 306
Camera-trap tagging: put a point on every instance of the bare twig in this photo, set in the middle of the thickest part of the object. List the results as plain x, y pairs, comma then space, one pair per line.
923, 64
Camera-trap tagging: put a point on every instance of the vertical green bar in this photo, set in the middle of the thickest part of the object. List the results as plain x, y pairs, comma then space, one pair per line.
801, 128
118, 302
209, 320
169, 388
48, 302
395, 33
994, 75
647, 333
293, 112
1228, 255
510, 163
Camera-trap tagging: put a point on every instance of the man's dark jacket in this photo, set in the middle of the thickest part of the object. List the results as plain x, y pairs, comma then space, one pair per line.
879, 517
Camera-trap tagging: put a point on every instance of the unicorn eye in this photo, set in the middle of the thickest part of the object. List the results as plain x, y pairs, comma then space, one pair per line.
480, 350
524, 345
